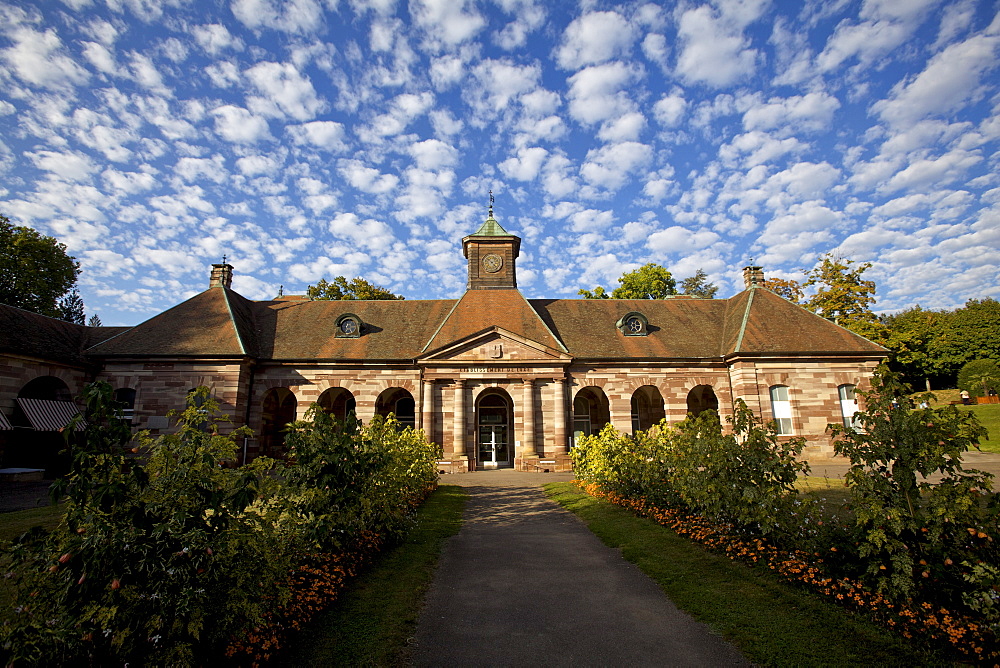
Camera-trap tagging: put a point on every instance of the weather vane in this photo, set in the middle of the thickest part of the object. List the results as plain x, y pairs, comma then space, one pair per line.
491, 203
223, 258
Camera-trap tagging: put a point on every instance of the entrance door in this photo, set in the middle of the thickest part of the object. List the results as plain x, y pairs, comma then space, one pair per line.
493, 432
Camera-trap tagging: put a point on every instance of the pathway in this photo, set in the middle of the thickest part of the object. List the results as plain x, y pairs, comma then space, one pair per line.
525, 583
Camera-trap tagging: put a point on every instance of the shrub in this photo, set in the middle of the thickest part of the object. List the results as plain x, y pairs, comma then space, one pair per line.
979, 377
159, 559
914, 532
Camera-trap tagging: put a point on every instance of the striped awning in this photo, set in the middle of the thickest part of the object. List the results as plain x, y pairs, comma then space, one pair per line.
48, 415
4, 422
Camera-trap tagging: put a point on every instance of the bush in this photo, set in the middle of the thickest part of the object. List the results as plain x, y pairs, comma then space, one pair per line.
159, 559
979, 377
913, 532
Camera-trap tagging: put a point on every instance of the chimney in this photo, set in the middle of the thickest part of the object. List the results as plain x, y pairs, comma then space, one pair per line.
753, 276
222, 275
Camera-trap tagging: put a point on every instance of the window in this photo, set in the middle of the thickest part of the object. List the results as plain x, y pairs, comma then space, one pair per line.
848, 405
633, 324
581, 418
349, 326
126, 397
781, 409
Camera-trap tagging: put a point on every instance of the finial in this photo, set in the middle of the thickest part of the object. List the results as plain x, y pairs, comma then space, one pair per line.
223, 258
281, 290
491, 203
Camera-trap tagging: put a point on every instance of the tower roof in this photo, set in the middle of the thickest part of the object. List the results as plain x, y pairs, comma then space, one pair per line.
491, 228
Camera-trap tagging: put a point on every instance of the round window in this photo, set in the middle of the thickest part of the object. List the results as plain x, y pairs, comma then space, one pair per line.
348, 326
634, 325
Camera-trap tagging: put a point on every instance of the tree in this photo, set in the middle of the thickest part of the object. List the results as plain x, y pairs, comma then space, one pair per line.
95, 321
650, 281
908, 336
355, 289
785, 287
844, 297
966, 334
979, 377
35, 271
71, 308
698, 286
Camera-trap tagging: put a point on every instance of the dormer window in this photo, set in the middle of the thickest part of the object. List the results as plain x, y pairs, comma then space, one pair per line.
348, 326
633, 324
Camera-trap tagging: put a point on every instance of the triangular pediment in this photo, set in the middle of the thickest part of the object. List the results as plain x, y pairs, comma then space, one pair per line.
496, 345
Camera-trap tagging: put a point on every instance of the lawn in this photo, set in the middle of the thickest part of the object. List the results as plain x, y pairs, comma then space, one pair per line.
772, 623
13, 525
989, 417
372, 622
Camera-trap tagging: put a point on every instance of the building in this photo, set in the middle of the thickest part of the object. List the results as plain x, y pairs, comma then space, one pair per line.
496, 379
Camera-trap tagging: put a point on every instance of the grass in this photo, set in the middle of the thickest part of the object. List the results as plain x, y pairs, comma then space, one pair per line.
989, 417
372, 623
771, 622
14, 524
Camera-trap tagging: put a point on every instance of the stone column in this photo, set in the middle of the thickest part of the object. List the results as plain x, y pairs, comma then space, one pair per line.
458, 435
559, 418
528, 419
427, 409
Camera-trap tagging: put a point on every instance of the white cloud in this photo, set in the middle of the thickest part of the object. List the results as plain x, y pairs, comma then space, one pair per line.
627, 127
371, 234
526, 165
812, 112
611, 165
600, 92
949, 82
71, 166
367, 179
214, 38
514, 35
594, 38
680, 240
129, 182
807, 180
591, 220
100, 57
286, 89
446, 22
933, 171
405, 109
239, 126
446, 71
38, 58
432, 154
293, 16
321, 134
714, 52
669, 109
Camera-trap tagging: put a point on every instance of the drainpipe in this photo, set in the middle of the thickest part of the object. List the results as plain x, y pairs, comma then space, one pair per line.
246, 415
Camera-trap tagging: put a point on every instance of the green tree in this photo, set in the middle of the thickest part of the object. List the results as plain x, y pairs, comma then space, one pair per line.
35, 271
355, 289
979, 377
699, 286
785, 287
650, 281
966, 334
843, 296
71, 308
95, 321
909, 336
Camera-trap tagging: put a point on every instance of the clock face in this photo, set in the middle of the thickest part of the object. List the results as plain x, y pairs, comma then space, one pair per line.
492, 263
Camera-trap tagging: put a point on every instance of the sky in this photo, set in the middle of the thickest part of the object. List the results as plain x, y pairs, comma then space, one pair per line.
309, 139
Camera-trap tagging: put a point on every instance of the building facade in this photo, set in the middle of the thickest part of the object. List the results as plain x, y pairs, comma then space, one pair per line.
497, 380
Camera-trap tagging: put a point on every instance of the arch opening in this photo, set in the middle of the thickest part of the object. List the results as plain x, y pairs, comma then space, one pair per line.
591, 411
493, 429
400, 403
647, 408
701, 398
277, 411
337, 402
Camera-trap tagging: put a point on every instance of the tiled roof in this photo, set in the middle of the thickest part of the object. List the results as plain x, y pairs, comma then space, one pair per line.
772, 324
678, 328
479, 310
392, 330
199, 327
33, 335
219, 322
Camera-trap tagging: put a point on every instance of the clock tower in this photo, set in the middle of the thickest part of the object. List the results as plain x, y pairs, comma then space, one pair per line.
491, 253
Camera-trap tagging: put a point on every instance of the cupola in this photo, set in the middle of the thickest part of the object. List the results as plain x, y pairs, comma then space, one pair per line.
491, 253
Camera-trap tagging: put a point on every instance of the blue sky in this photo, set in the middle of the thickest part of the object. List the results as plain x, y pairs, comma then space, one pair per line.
315, 138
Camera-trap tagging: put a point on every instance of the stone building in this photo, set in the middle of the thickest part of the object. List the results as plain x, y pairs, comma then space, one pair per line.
496, 379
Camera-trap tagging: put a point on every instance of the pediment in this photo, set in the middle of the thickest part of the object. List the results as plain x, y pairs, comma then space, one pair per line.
496, 345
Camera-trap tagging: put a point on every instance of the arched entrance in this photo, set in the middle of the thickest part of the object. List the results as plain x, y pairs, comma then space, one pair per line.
647, 408
591, 411
400, 403
277, 412
48, 388
337, 402
702, 398
44, 406
493, 430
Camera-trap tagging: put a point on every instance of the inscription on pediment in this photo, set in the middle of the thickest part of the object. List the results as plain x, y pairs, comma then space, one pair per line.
498, 350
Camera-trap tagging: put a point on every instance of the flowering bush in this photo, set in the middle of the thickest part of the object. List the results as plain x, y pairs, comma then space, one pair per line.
913, 533
157, 556
170, 555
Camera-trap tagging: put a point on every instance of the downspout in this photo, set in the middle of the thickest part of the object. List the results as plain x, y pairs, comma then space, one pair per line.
246, 415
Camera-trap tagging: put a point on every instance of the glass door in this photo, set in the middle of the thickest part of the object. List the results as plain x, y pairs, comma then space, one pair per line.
492, 433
